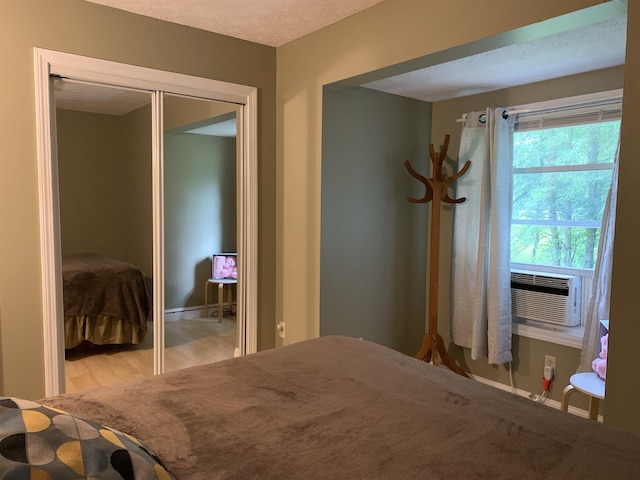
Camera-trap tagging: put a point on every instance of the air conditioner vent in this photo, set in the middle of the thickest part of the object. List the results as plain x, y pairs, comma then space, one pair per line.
546, 297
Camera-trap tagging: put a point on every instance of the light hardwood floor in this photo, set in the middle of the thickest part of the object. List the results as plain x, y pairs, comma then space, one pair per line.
188, 343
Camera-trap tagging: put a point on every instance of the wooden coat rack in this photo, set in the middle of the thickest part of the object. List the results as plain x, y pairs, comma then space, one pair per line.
436, 192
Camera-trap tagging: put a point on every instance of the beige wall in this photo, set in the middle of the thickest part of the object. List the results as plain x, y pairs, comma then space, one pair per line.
623, 388
389, 33
85, 28
138, 216
104, 177
91, 174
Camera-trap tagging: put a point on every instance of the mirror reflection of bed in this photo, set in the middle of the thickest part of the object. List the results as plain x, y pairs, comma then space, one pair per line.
104, 168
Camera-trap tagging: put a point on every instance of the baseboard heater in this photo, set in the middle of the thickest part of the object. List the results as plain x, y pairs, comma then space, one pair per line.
546, 297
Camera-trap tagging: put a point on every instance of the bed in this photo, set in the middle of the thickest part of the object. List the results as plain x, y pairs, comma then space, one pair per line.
343, 408
106, 301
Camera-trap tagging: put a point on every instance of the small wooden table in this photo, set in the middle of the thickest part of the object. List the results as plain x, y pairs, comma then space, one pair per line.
221, 283
588, 383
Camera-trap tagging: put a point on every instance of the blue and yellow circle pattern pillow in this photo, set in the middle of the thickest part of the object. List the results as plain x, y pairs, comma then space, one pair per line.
42, 443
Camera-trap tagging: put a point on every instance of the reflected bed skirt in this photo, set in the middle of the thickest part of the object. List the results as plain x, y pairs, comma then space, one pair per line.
101, 330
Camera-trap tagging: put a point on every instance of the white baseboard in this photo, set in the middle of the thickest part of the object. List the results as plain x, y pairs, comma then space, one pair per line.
190, 313
523, 393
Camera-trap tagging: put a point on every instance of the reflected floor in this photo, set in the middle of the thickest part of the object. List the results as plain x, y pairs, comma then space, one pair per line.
189, 342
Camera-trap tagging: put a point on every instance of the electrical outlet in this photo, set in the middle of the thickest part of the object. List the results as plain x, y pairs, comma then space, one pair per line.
550, 361
280, 328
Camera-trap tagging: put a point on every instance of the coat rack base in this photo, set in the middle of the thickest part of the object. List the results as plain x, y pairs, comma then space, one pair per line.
433, 347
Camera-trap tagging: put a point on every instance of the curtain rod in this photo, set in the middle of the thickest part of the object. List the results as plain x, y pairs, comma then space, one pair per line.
554, 109
505, 114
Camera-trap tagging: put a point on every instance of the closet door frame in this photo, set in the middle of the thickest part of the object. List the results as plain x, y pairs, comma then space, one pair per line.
49, 63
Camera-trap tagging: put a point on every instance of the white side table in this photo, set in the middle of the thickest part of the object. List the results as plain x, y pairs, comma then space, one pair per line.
588, 383
221, 283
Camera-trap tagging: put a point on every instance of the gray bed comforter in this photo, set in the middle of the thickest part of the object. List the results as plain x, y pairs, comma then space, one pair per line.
98, 285
342, 408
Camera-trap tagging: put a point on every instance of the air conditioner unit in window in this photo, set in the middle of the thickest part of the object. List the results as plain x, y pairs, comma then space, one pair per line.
546, 297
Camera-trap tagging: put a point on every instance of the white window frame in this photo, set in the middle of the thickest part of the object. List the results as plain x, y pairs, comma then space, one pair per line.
605, 105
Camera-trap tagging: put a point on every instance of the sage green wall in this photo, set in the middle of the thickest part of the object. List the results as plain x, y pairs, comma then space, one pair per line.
83, 28
528, 353
200, 212
200, 197
373, 241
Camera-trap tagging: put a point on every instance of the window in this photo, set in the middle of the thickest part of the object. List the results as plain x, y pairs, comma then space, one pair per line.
561, 177
563, 157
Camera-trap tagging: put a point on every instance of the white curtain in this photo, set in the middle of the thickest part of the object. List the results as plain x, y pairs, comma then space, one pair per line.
600, 290
481, 280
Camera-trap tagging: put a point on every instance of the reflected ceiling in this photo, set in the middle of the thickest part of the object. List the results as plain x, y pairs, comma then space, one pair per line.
92, 98
116, 101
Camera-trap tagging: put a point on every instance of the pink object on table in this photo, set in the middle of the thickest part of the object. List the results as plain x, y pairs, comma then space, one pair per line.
599, 365
224, 267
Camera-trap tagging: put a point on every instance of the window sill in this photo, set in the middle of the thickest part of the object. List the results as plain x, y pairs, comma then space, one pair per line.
567, 336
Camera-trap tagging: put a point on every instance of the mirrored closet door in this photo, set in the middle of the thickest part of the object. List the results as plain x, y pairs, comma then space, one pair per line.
104, 152
200, 230
104, 149
102, 200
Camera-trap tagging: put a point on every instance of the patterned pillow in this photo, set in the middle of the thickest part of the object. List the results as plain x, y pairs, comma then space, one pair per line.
42, 443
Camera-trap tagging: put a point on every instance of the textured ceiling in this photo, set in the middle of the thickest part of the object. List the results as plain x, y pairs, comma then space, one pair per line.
269, 22
594, 47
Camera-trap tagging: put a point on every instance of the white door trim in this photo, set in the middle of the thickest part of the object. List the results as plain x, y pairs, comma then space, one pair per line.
46, 63
157, 194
